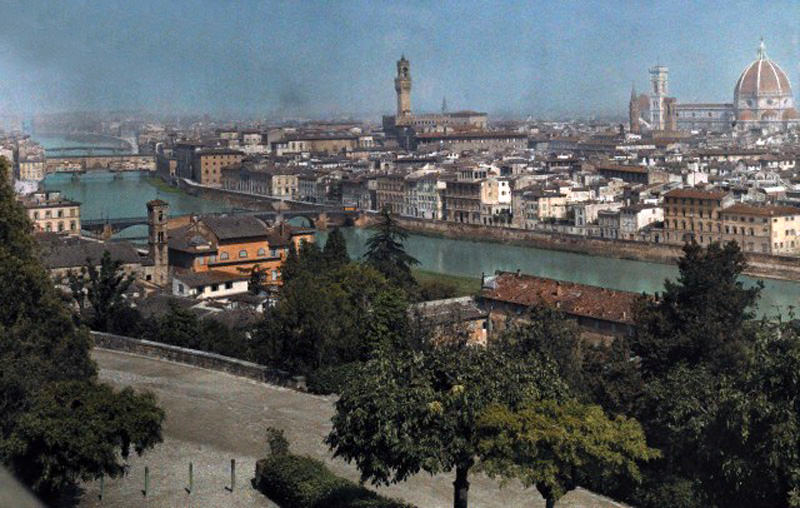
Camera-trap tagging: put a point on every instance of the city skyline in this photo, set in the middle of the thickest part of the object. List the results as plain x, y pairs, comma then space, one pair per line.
318, 59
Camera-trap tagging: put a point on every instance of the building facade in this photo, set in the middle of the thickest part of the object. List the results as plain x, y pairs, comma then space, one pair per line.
694, 214
51, 212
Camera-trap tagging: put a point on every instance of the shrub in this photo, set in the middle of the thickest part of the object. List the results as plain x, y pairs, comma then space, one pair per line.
327, 380
302, 482
277, 442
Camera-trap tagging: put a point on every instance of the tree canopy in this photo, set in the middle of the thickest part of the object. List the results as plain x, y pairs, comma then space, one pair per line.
48, 383
414, 411
103, 286
335, 250
551, 445
326, 317
702, 316
386, 253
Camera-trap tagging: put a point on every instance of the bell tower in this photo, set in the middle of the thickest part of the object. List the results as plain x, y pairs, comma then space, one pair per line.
402, 85
157, 239
633, 112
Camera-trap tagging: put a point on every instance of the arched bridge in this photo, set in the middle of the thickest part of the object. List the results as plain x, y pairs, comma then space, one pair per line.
320, 219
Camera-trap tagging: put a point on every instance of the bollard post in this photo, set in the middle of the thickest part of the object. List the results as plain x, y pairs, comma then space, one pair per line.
102, 486
233, 474
146, 480
191, 479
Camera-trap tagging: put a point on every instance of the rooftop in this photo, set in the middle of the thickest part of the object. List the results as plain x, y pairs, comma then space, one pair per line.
762, 211
696, 194
570, 297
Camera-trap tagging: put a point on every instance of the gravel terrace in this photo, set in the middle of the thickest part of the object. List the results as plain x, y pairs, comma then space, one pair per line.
213, 417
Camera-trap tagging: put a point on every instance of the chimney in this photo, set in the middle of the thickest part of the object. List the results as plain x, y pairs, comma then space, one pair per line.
483, 278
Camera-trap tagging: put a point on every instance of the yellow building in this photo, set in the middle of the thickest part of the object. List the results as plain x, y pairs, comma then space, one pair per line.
762, 229
50, 212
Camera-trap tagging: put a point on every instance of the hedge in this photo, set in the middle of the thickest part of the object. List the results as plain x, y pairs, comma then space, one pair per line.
293, 481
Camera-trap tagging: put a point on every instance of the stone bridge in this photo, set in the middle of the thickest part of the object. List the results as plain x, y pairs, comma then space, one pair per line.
318, 219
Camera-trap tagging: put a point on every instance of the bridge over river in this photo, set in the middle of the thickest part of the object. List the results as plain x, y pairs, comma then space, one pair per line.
314, 218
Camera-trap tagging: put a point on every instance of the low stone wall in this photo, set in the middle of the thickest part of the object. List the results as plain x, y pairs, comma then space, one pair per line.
760, 265
198, 359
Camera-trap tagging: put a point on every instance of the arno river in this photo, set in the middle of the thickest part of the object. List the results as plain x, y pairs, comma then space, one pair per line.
102, 195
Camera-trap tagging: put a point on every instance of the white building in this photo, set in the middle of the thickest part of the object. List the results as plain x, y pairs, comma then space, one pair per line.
212, 284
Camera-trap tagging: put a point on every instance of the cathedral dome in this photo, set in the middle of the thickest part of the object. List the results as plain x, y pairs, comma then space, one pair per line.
763, 94
762, 78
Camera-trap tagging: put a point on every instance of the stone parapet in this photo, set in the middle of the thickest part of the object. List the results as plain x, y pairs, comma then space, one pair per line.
197, 358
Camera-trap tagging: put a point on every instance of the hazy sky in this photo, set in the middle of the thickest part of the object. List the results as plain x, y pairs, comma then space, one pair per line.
544, 58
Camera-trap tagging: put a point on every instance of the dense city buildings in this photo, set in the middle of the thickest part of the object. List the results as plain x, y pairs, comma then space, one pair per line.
702, 172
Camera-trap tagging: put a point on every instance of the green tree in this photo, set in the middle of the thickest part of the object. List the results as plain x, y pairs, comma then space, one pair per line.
77, 430
320, 320
311, 258
551, 445
45, 371
178, 326
103, 287
547, 331
385, 252
257, 279
711, 398
335, 250
414, 411
291, 265
701, 317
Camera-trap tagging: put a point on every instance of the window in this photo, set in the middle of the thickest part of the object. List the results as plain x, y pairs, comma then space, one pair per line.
274, 274
35, 215
180, 288
214, 288
242, 253
201, 289
223, 256
229, 285
72, 225
262, 252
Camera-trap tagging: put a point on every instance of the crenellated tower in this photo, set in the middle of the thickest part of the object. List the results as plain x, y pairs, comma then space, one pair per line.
402, 85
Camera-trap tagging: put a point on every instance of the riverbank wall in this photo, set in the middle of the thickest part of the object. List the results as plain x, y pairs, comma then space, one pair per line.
759, 265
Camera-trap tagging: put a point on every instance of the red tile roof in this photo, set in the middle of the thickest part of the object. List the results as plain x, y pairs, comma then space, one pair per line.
570, 297
765, 211
696, 194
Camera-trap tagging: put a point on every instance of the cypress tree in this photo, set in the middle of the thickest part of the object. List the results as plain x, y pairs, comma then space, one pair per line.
335, 250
